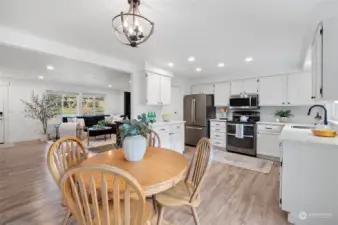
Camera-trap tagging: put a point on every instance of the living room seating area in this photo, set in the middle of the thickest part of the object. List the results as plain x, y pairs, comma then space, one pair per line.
86, 126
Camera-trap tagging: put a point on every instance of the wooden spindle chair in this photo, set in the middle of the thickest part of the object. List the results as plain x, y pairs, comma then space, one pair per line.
64, 154
186, 192
86, 188
154, 139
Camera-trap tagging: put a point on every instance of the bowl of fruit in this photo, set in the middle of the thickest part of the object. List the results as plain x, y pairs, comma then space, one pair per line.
166, 117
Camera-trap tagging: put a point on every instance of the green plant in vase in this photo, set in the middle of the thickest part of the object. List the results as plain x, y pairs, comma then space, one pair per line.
134, 133
283, 115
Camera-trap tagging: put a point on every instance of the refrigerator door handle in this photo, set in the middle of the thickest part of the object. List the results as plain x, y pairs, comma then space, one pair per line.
192, 111
194, 118
195, 128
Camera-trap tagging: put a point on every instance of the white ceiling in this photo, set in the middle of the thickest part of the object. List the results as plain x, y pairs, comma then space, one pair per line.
23, 64
270, 31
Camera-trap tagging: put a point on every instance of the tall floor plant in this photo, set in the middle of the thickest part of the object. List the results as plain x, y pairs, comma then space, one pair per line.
42, 108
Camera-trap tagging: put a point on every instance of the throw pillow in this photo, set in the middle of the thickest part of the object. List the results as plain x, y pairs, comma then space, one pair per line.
81, 121
71, 119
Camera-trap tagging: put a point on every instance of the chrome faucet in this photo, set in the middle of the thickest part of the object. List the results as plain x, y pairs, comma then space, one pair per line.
325, 112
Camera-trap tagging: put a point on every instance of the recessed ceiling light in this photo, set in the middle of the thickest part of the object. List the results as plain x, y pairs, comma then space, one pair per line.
40, 77
198, 69
171, 64
248, 59
130, 81
191, 59
109, 86
50, 67
220, 65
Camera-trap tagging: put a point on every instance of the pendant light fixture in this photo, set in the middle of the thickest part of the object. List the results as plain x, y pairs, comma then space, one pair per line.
131, 28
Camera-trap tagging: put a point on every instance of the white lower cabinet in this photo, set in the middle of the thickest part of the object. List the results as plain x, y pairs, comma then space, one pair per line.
171, 135
268, 140
308, 183
218, 134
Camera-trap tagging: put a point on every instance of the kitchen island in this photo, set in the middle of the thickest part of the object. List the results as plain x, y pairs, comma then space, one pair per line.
308, 176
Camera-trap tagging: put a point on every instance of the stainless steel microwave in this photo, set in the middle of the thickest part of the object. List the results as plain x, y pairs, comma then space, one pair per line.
244, 101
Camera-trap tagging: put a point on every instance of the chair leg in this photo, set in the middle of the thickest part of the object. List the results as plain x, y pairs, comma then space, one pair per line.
67, 216
160, 215
194, 213
154, 203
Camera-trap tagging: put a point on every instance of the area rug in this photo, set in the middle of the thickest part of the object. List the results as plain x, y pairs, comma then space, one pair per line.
238, 160
243, 161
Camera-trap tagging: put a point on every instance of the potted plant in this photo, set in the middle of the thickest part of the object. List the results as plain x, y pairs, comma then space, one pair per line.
283, 115
43, 109
134, 135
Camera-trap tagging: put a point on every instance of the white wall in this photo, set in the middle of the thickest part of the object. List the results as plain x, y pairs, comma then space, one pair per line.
21, 128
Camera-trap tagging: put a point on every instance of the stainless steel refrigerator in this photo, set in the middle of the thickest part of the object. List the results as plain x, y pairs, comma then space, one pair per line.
198, 109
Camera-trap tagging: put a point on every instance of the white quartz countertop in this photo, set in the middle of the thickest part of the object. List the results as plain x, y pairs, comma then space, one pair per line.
272, 123
305, 135
162, 123
218, 120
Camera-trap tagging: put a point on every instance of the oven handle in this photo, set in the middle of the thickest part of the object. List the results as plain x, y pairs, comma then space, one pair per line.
245, 125
247, 136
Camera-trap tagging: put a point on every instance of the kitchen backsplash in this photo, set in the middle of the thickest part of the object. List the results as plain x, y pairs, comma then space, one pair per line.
268, 113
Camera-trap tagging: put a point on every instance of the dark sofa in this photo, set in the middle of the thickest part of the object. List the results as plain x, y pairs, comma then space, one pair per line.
91, 120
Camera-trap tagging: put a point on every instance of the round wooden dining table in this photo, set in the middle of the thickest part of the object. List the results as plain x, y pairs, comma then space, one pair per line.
159, 170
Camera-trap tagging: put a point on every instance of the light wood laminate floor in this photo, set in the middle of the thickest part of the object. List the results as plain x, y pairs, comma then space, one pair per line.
230, 195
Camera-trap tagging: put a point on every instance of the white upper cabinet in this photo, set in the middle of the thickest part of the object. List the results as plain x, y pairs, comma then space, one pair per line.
246, 86
222, 94
330, 56
153, 89
237, 87
158, 89
165, 90
324, 58
299, 89
250, 86
272, 90
317, 64
202, 89
287, 90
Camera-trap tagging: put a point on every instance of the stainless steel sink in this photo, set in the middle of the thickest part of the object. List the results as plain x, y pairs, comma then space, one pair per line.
302, 127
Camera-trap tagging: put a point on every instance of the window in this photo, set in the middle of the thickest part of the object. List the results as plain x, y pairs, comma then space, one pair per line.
78, 104
68, 102
93, 104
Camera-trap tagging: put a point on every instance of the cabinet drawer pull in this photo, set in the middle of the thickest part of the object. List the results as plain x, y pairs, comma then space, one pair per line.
163, 129
268, 128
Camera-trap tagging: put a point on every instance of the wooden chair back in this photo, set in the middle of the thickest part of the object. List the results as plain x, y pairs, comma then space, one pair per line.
154, 139
64, 154
90, 203
199, 166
